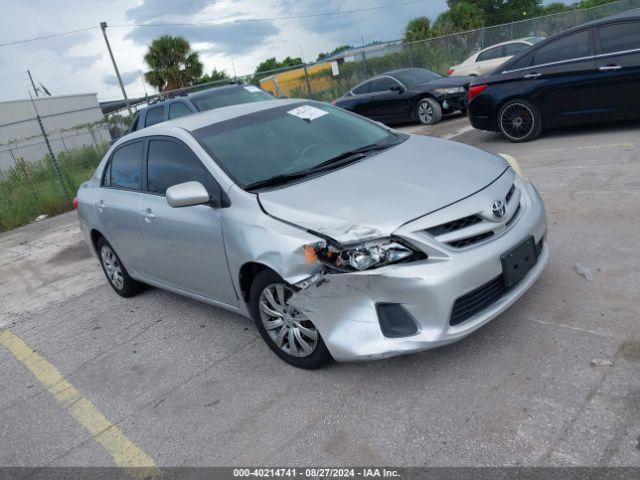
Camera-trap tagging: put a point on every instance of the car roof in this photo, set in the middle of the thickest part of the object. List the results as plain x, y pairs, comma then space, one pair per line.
633, 14
526, 40
400, 70
210, 117
199, 93
622, 17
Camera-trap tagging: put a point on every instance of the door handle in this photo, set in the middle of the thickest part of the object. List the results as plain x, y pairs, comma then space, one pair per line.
148, 215
101, 205
531, 76
609, 68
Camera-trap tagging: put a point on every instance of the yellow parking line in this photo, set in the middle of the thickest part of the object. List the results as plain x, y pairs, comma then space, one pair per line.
124, 452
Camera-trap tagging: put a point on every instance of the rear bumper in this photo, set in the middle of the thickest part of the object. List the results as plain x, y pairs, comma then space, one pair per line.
343, 306
483, 122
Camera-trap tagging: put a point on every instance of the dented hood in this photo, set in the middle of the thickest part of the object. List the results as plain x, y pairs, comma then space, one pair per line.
375, 196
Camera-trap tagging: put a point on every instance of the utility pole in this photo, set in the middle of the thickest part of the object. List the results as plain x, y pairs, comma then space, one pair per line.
144, 87
35, 90
233, 67
364, 57
54, 161
306, 74
103, 26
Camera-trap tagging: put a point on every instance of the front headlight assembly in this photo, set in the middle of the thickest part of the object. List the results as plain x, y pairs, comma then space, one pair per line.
449, 91
363, 256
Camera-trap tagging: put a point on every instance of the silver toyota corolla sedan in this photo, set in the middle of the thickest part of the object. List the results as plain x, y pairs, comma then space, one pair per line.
340, 237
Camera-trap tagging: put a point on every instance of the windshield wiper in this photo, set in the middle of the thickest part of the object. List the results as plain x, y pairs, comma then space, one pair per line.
351, 156
276, 180
339, 160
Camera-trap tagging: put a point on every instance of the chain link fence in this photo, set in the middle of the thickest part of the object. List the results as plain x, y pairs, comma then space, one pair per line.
40, 173
48, 147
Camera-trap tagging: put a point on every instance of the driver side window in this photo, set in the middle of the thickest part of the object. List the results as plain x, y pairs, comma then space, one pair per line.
382, 84
170, 163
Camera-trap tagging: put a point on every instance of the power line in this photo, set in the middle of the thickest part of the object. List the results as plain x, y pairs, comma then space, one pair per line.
267, 19
44, 37
241, 20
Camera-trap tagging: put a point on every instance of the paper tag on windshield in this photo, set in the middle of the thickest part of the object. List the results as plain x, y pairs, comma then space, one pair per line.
252, 89
307, 112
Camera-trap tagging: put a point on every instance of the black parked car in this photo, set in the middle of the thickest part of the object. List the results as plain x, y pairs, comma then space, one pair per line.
409, 94
186, 104
590, 73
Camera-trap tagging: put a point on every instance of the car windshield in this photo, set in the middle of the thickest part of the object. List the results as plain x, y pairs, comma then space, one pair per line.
230, 96
288, 140
414, 76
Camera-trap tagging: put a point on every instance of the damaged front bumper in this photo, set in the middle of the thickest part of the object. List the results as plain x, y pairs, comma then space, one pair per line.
343, 305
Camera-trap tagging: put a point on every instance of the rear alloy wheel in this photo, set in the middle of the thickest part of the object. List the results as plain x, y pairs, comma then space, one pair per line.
519, 121
287, 330
428, 111
114, 270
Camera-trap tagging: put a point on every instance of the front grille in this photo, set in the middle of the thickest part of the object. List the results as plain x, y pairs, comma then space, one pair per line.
467, 238
465, 242
458, 224
513, 218
482, 297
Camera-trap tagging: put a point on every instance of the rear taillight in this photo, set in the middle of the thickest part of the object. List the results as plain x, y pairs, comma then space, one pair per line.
474, 90
333, 102
450, 72
75, 203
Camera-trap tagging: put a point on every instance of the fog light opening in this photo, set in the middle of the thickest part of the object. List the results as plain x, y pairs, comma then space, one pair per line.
395, 321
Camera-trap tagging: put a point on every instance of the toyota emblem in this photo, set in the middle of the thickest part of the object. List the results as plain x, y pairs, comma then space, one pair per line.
499, 209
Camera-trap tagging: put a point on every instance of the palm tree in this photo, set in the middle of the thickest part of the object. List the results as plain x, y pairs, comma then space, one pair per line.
171, 63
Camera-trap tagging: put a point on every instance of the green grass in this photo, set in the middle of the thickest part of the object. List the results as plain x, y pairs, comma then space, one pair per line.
30, 189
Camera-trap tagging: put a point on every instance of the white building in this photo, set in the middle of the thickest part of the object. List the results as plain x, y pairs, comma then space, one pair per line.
71, 121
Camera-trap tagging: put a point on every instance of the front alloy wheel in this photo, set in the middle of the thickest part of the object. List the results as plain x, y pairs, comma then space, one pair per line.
288, 328
288, 332
428, 111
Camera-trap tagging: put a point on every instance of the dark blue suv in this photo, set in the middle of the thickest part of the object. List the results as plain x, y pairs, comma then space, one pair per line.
186, 104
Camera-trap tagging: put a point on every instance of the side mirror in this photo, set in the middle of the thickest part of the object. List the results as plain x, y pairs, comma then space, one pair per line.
187, 194
397, 88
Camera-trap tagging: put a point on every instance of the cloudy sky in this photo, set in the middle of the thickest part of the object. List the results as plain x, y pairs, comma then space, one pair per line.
79, 63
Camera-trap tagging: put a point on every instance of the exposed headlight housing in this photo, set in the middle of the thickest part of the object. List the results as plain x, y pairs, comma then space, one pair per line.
449, 91
363, 256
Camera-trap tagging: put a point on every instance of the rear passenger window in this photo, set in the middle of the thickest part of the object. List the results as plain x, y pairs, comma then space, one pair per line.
577, 45
154, 115
178, 109
619, 37
126, 167
171, 163
490, 54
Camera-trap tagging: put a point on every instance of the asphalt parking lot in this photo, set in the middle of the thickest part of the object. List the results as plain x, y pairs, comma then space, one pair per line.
553, 381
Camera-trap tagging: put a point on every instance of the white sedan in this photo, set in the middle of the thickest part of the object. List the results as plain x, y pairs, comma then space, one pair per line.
484, 61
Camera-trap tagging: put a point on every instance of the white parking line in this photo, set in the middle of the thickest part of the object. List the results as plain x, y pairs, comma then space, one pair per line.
452, 135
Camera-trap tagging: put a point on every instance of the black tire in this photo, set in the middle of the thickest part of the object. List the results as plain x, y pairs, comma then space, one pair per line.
432, 112
320, 354
122, 284
519, 121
